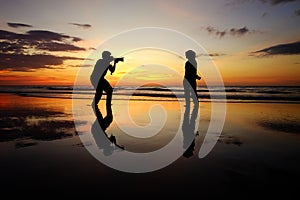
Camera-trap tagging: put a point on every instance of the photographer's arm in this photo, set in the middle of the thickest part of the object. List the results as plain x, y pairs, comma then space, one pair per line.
112, 68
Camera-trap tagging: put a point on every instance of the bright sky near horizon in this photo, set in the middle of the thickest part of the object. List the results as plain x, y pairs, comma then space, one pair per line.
252, 42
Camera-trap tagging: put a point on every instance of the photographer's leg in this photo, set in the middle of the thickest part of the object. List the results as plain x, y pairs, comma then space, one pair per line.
109, 96
108, 89
98, 95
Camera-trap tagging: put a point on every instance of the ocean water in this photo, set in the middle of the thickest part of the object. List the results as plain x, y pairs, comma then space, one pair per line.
256, 94
258, 150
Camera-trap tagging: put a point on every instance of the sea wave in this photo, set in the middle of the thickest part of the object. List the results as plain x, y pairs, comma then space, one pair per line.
284, 94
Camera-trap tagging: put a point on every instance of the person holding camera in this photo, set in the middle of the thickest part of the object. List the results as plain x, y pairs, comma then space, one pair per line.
98, 77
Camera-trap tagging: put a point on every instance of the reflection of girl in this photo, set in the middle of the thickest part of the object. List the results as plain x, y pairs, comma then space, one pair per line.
190, 76
188, 130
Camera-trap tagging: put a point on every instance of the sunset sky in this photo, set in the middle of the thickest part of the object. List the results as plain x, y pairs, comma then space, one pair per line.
251, 42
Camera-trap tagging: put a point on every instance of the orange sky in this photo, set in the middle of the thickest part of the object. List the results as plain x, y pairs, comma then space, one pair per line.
58, 40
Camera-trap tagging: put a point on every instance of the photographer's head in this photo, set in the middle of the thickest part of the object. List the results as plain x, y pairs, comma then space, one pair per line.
106, 55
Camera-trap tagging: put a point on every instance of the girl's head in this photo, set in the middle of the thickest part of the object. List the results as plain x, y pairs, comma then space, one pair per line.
190, 55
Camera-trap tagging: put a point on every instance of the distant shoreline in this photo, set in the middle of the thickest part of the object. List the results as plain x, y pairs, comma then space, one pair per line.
236, 94
158, 99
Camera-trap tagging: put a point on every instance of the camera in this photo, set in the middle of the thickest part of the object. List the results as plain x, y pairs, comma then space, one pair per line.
116, 60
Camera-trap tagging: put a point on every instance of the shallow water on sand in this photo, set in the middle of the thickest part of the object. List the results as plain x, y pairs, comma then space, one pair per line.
258, 150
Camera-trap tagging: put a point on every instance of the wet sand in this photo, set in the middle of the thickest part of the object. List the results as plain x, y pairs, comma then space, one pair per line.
256, 155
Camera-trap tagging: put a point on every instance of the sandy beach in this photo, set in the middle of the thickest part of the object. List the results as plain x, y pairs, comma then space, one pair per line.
257, 152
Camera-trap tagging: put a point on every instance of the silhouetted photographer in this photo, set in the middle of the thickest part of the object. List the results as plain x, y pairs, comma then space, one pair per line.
98, 77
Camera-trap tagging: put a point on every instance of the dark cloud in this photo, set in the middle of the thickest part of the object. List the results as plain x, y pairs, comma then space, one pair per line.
276, 2
31, 50
297, 12
271, 2
265, 14
55, 46
210, 29
239, 31
211, 54
43, 35
7, 35
84, 65
37, 36
81, 25
233, 31
213, 30
39, 40
221, 33
10, 47
22, 62
18, 25
281, 49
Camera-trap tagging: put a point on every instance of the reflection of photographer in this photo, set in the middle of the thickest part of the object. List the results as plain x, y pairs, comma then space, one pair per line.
98, 74
103, 140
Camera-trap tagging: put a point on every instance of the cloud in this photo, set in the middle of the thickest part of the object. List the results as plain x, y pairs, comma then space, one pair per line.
81, 25
280, 49
271, 2
38, 40
18, 25
239, 31
211, 54
55, 46
26, 63
32, 50
83, 65
276, 2
232, 31
10, 47
43, 35
265, 14
37, 35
